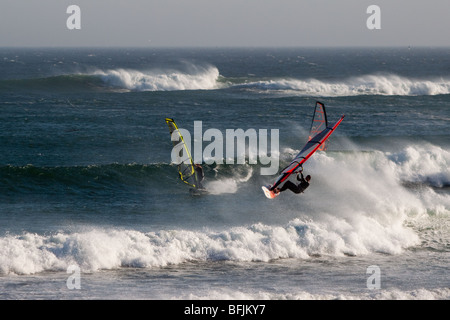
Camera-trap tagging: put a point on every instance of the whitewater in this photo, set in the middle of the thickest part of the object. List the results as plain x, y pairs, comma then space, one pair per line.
199, 78
372, 221
87, 182
209, 78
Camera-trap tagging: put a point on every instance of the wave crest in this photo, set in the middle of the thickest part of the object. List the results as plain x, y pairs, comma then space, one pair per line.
99, 249
197, 78
193, 77
387, 85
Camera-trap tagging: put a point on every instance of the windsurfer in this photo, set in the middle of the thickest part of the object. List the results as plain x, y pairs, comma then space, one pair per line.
200, 175
304, 183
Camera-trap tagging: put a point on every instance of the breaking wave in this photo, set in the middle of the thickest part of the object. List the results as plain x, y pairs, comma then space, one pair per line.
193, 77
98, 249
387, 85
123, 80
198, 78
380, 215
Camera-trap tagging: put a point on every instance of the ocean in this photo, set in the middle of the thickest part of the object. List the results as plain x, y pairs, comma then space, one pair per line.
91, 206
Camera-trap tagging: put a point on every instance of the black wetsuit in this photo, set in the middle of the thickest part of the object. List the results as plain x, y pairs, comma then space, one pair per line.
200, 176
296, 188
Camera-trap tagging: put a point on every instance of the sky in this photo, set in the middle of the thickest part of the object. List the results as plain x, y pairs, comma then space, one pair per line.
224, 23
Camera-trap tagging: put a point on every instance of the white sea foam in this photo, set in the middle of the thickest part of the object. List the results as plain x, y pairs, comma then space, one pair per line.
207, 78
427, 164
228, 184
197, 78
391, 294
111, 248
357, 205
363, 85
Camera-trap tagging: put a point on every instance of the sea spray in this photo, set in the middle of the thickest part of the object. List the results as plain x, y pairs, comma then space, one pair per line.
357, 204
100, 193
372, 84
229, 184
110, 248
199, 78
210, 78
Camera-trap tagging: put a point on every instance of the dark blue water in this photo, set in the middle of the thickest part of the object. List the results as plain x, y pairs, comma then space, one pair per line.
86, 176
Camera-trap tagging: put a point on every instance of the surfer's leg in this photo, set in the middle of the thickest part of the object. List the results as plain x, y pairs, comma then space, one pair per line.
289, 185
